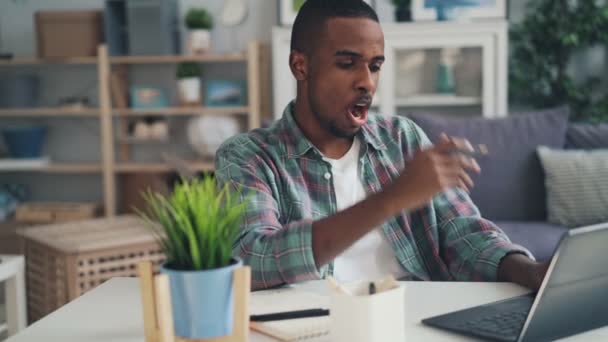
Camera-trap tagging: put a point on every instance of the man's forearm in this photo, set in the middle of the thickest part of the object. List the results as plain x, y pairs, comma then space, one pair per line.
520, 269
334, 234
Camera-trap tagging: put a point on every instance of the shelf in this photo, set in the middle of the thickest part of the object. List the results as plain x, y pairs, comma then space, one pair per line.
177, 111
57, 168
133, 140
207, 58
45, 61
131, 167
36, 112
437, 100
9, 164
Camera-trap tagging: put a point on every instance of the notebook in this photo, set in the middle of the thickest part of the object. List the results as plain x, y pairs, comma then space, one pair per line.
290, 299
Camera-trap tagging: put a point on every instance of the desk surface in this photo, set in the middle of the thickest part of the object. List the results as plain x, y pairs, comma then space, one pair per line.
112, 312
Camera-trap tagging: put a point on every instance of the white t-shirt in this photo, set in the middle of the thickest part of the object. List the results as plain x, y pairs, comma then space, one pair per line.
371, 257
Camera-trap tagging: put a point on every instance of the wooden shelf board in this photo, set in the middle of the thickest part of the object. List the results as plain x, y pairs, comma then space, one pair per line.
35, 112
176, 111
133, 167
132, 140
73, 168
45, 61
207, 58
434, 100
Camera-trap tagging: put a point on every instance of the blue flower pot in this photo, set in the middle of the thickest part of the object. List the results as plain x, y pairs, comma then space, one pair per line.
203, 301
24, 141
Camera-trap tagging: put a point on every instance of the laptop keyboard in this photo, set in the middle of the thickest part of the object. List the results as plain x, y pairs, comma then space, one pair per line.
505, 323
500, 321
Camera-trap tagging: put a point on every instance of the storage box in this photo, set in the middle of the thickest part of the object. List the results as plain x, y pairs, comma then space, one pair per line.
51, 212
142, 27
68, 33
65, 260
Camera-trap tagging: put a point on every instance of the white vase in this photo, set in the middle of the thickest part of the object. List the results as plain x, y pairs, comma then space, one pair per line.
189, 90
199, 42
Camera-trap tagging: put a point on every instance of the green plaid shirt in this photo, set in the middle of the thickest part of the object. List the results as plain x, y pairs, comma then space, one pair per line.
284, 176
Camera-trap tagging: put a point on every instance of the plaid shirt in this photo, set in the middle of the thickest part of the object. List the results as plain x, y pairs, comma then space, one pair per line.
284, 176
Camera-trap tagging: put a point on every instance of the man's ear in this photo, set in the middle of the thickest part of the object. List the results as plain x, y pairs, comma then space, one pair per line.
298, 63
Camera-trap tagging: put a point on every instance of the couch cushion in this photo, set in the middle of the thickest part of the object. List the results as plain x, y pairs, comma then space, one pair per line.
511, 185
577, 186
587, 136
540, 238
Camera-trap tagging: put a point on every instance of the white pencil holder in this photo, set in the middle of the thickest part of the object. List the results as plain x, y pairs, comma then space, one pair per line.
362, 317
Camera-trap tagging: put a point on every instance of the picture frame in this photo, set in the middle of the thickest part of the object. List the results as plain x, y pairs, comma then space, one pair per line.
288, 9
425, 10
225, 93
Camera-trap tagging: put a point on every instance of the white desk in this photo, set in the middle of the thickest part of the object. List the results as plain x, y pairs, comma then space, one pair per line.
12, 272
112, 312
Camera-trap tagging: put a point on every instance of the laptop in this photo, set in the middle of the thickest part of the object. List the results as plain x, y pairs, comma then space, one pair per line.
573, 297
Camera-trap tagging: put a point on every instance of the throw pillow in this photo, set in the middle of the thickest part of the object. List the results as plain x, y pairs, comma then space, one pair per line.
511, 185
577, 186
587, 136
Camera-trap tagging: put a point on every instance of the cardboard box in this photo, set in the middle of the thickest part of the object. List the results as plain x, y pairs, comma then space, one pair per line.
63, 34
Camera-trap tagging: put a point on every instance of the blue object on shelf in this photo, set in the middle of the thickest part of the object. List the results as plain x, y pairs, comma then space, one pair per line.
148, 97
24, 141
223, 93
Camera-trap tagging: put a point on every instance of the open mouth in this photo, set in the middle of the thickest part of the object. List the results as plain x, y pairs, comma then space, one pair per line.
358, 112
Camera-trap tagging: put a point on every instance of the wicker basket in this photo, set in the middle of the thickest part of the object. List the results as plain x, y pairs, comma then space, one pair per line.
65, 260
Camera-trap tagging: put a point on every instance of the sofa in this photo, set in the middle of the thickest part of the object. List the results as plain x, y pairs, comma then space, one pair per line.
510, 190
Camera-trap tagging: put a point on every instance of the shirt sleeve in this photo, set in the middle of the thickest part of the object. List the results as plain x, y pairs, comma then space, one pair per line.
277, 254
471, 246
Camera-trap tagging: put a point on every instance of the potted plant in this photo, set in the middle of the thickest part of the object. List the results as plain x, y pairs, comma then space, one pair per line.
403, 10
189, 83
199, 23
196, 227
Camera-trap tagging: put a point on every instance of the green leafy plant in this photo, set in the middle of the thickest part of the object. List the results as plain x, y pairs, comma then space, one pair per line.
199, 19
543, 46
401, 3
197, 224
188, 69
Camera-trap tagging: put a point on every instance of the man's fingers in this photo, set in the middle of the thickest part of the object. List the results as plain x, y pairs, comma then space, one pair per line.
449, 144
459, 161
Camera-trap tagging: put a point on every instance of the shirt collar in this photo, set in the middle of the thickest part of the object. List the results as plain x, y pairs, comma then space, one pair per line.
296, 144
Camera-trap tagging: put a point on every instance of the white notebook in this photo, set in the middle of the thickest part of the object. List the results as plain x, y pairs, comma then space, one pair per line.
290, 299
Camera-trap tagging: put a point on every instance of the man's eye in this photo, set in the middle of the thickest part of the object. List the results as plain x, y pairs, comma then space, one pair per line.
375, 67
345, 65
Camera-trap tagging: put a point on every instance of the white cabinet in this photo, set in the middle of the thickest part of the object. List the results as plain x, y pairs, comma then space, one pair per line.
409, 74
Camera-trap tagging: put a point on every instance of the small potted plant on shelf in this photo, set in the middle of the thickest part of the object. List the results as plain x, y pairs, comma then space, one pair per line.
403, 10
199, 23
189, 83
196, 227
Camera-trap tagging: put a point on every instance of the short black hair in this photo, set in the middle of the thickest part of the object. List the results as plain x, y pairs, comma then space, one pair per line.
314, 13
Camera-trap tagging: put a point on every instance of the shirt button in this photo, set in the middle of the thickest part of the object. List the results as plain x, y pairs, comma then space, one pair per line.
327, 175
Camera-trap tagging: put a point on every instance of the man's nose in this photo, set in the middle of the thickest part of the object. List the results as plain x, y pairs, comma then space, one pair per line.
365, 80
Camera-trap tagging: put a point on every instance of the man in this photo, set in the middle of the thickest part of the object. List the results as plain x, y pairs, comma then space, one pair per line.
335, 190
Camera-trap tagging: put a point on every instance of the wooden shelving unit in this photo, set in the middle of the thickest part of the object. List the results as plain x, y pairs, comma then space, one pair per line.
110, 166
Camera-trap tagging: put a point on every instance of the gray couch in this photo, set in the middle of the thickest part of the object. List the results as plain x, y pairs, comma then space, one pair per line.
510, 190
